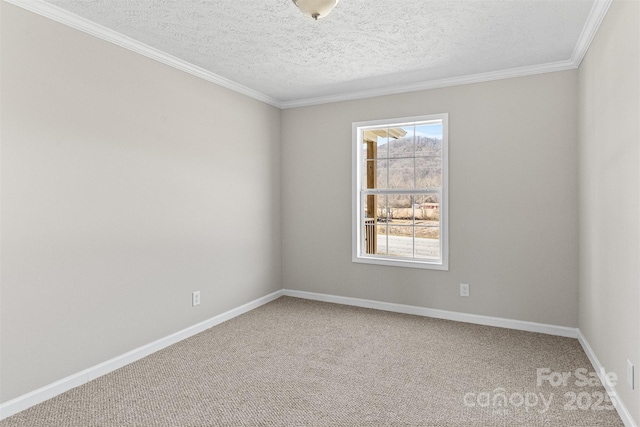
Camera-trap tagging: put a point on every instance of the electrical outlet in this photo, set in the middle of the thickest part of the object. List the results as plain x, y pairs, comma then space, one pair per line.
464, 290
630, 374
195, 298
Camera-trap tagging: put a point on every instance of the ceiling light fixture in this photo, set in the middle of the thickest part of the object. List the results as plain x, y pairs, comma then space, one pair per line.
316, 8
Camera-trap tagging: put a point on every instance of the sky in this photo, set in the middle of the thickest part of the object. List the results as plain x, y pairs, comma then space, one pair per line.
430, 130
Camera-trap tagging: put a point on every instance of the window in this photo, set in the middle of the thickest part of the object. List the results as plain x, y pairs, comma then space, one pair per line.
400, 192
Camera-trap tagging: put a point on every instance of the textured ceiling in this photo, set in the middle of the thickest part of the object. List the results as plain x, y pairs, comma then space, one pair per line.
363, 45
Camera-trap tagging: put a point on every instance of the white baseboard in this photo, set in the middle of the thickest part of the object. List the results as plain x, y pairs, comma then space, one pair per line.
627, 419
32, 398
562, 331
42, 394
521, 325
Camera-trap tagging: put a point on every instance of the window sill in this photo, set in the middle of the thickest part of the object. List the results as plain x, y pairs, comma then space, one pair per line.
401, 262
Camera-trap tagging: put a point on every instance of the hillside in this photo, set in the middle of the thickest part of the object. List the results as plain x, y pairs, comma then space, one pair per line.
396, 168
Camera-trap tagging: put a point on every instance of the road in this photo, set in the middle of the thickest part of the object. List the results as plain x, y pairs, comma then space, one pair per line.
403, 246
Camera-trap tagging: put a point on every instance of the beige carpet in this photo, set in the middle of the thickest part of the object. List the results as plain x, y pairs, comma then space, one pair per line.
301, 363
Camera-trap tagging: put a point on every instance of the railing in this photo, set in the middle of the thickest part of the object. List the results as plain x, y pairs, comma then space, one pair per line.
370, 235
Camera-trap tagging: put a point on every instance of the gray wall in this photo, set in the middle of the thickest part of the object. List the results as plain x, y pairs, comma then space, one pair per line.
610, 195
513, 150
126, 185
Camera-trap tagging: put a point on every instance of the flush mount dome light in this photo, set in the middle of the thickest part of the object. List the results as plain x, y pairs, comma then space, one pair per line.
316, 8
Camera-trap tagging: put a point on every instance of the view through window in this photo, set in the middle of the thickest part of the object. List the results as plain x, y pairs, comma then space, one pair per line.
400, 192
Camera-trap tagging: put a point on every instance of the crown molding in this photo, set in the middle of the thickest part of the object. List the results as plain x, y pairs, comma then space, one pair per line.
64, 17
598, 11
40, 7
596, 15
434, 84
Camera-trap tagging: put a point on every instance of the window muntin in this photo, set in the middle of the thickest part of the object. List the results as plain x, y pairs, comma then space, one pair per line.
400, 192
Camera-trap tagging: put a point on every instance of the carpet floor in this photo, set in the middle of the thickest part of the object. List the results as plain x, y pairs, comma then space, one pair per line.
295, 362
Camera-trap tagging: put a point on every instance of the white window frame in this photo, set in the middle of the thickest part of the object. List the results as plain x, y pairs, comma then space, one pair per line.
358, 254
